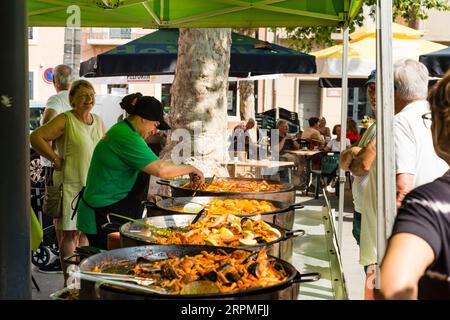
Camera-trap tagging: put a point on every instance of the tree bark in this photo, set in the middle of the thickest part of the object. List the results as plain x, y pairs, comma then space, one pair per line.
247, 100
199, 100
247, 104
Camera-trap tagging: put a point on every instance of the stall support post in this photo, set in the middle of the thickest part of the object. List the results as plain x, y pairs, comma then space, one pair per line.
344, 108
386, 207
15, 267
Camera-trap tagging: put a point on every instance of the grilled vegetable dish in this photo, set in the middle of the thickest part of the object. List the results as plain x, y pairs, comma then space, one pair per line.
226, 230
231, 185
208, 271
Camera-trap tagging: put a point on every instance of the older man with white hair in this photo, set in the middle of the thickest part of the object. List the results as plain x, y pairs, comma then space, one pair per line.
59, 102
416, 161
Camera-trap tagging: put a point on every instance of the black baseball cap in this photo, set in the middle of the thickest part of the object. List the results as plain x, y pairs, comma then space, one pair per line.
151, 109
372, 78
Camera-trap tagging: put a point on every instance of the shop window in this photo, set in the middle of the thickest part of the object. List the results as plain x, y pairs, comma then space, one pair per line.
358, 104
120, 33
118, 89
232, 99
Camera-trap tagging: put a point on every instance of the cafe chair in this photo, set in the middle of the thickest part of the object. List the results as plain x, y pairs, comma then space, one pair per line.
322, 165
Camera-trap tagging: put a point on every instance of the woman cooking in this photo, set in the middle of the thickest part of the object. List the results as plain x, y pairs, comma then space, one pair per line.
117, 160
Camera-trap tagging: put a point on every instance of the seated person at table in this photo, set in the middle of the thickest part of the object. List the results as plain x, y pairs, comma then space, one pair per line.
335, 144
312, 133
323, 129
240, 137
286, 143
352, 131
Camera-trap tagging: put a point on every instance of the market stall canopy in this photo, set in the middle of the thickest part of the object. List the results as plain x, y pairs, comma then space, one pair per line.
438, 63
406, 43
193, 13
156, 53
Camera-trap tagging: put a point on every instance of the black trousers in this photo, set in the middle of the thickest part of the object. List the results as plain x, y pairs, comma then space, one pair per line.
131, 206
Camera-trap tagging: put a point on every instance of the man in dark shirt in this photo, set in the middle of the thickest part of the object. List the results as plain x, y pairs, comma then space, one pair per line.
417, 261
420, 245
286, 141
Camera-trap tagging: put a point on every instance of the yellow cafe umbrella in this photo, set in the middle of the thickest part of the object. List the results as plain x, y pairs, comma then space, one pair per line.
406, 43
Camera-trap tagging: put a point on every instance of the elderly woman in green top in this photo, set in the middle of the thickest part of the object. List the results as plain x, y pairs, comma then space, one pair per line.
117, 160
75, 133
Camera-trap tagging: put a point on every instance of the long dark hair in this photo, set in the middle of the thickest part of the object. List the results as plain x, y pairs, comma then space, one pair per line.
351, 126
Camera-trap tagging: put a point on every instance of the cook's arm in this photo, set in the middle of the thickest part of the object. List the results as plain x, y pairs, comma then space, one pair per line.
166, 170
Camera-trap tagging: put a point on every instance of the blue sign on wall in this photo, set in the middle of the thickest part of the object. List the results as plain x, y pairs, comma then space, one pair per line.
48, 75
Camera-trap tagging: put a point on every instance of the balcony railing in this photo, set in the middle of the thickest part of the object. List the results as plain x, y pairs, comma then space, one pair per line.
108, 36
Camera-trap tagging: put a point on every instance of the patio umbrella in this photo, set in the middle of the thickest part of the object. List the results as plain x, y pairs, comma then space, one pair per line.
406, 43
156, 54
438, 63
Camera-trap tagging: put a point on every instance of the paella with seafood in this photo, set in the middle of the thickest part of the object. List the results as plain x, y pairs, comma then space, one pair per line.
222, 271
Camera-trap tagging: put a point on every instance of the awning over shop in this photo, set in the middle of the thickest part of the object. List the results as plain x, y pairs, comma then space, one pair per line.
156, 54
438, 63
193, 13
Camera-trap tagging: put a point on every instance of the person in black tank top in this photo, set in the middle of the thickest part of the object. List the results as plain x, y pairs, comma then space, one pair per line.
417, 261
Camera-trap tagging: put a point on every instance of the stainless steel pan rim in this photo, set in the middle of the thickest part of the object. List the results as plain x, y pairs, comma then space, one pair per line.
176, 185
166, 204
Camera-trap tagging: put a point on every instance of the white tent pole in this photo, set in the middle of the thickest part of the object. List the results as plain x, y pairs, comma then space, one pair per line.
386, 208
344, 108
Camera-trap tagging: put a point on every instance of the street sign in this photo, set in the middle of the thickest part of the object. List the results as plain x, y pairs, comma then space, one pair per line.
48, 75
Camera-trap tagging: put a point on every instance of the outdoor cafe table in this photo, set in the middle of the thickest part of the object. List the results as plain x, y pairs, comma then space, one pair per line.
306, 154
260, 166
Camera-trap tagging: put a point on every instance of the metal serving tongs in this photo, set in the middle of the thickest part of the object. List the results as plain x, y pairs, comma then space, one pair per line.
143, 281
163, 231
100, 280
200, 213
207, 183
